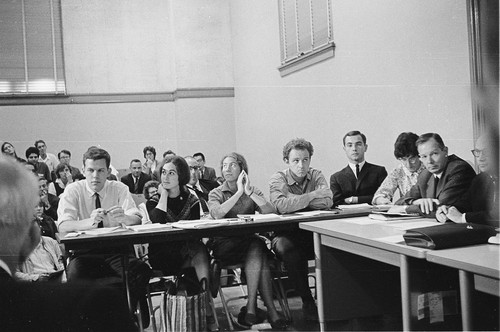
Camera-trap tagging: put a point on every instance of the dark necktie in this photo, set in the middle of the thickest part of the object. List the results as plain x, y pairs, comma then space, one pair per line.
136, 185
436, 181
98, 206
357, 170
203, 202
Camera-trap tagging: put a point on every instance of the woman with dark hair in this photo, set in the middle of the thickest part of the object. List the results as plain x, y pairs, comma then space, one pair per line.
150, 164
9, 150
63, 178
151, 195
405, 175
236, 196
178, 203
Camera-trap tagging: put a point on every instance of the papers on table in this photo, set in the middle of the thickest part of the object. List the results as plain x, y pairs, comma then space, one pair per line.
199, 224
354, 206
148, 227
99, 231
258, 217
378, 215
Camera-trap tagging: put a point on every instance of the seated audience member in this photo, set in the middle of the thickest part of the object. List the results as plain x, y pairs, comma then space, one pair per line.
136, 179
443, 182
236, 196
41, 169
97, 202
65, 158
151, 163
63, 178
113, 172
50, 202
206, 173
359, 180
177, 203
157, 171
47, 306
151, 195
479, 204
9, 150
299, 187
48, 158
47, 225
168, 153
201, 187
43, 264
404, 176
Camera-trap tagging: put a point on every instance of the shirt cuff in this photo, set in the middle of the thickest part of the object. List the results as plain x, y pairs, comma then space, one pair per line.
463, 219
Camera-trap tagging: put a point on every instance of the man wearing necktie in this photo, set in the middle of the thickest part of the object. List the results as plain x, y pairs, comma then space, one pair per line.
358, 182
201, 187
136, 179
96, 201
445, 179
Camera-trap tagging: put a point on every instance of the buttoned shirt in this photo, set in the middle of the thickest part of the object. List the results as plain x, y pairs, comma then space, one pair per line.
400, 179
353, 167
50, 160
287, 195
77, 201
45, 258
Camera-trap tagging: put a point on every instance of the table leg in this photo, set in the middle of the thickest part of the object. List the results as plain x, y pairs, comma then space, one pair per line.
466, 282
404, 272
319, 282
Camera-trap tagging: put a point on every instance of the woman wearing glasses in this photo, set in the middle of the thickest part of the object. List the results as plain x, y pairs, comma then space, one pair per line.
236, 196
405, 175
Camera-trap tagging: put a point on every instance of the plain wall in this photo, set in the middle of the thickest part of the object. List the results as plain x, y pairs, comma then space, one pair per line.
398, 66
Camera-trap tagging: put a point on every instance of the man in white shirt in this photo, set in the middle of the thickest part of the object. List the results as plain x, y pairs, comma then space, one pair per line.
48, 158
97, 202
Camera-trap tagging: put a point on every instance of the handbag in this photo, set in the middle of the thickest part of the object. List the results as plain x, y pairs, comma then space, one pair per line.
448, 235
183, 305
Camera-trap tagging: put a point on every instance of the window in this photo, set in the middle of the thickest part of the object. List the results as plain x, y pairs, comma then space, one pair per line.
31, 56
306, 33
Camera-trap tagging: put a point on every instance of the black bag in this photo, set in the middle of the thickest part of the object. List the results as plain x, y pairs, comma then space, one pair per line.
448, 235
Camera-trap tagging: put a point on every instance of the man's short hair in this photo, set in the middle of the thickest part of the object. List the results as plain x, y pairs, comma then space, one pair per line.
135, 161
199, 154
181, 166
239, 159
428, 136
149, 148
355, 133
18, 198
63, 151
39, 141
94, 153
405, 145
32, 150
168, 152
297, 144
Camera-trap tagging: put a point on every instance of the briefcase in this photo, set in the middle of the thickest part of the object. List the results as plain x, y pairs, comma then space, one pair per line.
448, 235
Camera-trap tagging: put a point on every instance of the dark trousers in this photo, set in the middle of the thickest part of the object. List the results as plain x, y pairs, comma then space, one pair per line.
295, 249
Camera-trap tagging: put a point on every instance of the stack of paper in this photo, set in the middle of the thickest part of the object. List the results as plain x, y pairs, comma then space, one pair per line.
199, 224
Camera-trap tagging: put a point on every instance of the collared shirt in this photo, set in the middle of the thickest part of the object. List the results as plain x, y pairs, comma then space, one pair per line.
78, 201
353, 166
400, 179
45, 258
244, 205
50, 160
289, 196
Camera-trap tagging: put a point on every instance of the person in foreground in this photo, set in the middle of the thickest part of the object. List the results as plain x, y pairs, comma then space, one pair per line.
32, 306
299, 187
405, 175
94, 203
236, 196
177, 203
357, 182
444, 181
480, 203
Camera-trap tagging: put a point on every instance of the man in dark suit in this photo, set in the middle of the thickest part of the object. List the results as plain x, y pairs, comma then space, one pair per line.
201, 187
443, 182
136, 179
358, 182
207, 173
31, 306
65, 158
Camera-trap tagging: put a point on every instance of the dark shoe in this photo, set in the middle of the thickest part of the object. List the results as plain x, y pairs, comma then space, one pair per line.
246, 319
310, 311
279, 324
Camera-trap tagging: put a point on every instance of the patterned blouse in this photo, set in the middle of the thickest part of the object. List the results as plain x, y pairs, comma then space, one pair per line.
399, 178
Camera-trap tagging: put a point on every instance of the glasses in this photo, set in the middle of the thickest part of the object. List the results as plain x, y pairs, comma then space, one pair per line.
411, 160
477, 152
194, 168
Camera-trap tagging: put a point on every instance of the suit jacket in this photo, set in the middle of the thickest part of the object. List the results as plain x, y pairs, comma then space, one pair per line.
129, 181
454, 182
480, 202
344, 183
209, 174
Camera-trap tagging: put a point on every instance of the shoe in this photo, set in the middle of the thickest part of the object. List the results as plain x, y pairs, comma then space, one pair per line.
212, 324
261, 315
279, 324
247, 319
310, 311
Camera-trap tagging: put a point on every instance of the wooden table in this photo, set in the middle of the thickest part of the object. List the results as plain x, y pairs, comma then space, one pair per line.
478, 268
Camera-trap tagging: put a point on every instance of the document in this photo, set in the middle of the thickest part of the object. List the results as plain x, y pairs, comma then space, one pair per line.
148, 227
199, 224
392, 216
258, 217
354, 206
